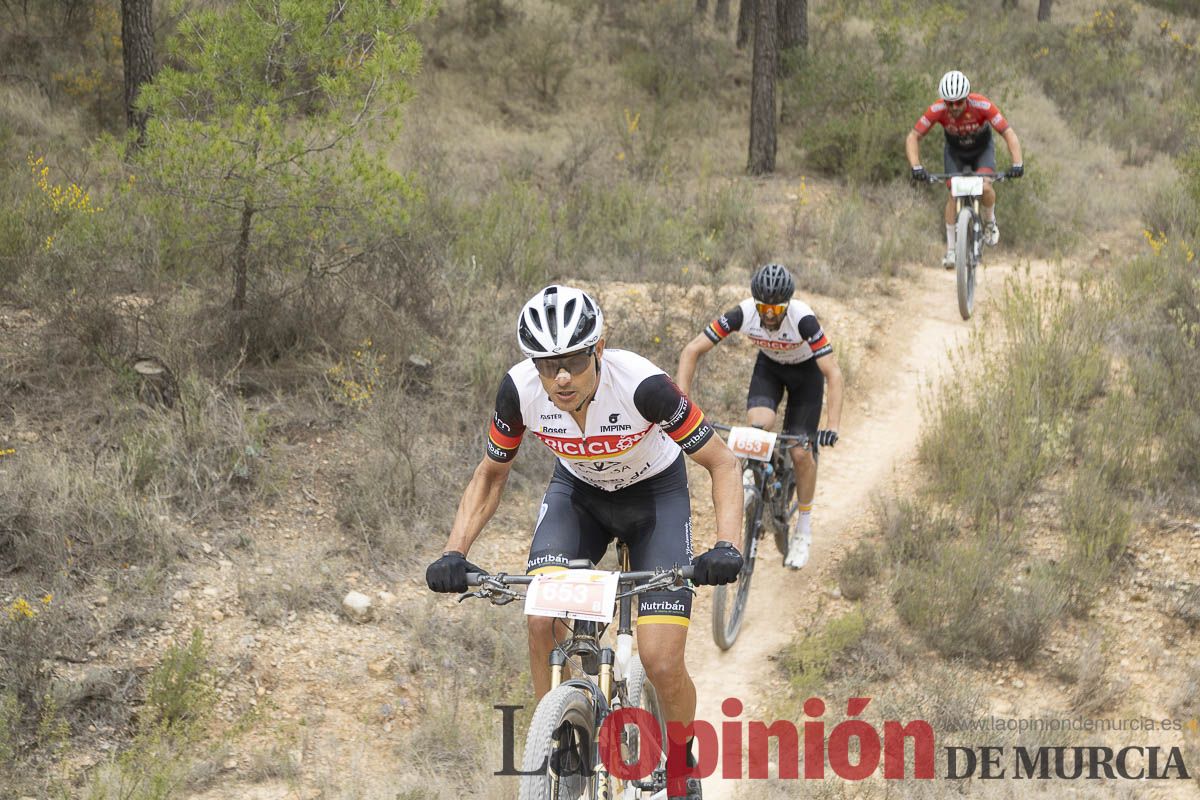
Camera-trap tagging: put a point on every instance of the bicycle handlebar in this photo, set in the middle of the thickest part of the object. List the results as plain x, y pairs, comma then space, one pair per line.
996, 177
680, 573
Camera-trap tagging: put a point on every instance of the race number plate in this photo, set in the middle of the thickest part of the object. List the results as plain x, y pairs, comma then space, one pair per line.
966, 187
574, 594
752, 443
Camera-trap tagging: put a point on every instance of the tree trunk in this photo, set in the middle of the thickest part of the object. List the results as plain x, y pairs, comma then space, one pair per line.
701, 8
793, 25
745, 23
762, 90
137, 53
721, 15
241, 260
1044, 10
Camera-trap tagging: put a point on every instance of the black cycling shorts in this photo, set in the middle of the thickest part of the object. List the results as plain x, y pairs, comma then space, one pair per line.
805, 384
652, 517
976, 160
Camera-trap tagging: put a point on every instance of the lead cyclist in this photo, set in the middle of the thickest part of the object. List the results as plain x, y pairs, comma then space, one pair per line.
619, 427
968, 120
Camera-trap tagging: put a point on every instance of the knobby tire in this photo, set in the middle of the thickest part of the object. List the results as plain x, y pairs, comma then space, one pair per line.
565, 707
964, 262
729, 603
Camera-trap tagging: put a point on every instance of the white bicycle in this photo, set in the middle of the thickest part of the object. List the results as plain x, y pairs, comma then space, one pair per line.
967, 188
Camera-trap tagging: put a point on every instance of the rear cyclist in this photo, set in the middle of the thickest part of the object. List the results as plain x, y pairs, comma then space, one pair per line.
795, 354
968, 120
619, 426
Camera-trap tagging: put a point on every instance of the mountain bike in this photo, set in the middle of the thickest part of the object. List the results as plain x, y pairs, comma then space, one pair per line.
769, 487
967, 188
562, 759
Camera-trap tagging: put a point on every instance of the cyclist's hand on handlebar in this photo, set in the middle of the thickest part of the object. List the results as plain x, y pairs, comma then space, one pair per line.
919, 175
827, 438
1016, 170
449, 573
718, 566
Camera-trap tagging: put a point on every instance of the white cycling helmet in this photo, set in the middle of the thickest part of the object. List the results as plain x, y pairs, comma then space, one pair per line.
954, 86
559, 320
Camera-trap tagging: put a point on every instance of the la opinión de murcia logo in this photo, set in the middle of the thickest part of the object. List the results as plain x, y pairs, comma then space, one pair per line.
741, 749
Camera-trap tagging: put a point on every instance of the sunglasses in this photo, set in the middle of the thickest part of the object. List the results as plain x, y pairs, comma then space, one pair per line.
576, 363
956, 103
777, 309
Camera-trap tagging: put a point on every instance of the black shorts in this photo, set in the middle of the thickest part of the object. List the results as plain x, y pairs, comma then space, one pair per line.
977, 160
805, 384
652, 517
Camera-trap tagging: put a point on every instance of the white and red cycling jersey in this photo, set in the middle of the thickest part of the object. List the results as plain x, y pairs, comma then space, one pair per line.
636, 424
798, 338
971, 130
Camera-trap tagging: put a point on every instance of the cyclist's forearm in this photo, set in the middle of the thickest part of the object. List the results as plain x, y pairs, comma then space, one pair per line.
912, 148
689, 359
835, 386
727, 499
477, 506
1014, 145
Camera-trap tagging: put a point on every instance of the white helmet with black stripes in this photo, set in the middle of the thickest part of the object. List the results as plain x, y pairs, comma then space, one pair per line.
954, 86
559, 320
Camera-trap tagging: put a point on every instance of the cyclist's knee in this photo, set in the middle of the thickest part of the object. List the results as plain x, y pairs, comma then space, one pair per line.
664, 667
803, 459
541, 629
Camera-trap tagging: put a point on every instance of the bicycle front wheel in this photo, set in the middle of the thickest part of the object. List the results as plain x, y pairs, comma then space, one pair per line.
964, 261
561, 750
729, 602
642, 694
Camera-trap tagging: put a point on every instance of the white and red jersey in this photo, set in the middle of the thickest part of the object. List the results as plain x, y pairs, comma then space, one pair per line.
798, 338
636, 424
971, 130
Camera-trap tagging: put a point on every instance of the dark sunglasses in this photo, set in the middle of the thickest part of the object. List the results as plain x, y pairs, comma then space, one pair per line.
576, 363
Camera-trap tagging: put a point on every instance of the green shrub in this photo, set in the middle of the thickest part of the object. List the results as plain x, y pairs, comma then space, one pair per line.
207, 455
1007, 416
808, 661
846, 111
181, 687
858, 570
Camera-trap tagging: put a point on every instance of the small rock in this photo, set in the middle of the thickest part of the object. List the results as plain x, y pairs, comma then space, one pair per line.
265, 570
357, 606
1018, 683
182, 596
230, 763
380, 668
211, 591
835, 593
387, 598
102, 600
217, 616
247, 641
29, 437
206, 547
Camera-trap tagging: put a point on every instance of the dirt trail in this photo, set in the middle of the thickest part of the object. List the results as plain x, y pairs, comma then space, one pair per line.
879, 436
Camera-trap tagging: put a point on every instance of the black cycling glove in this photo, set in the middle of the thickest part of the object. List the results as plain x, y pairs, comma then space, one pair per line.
919, 174
718, 566
1016, 170
827, 438
449, 573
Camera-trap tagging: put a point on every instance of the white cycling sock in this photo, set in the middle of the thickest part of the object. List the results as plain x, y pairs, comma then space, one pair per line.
950, 237
989, 214
804, 520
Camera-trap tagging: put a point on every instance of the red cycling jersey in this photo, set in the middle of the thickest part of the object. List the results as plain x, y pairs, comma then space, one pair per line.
968, 131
